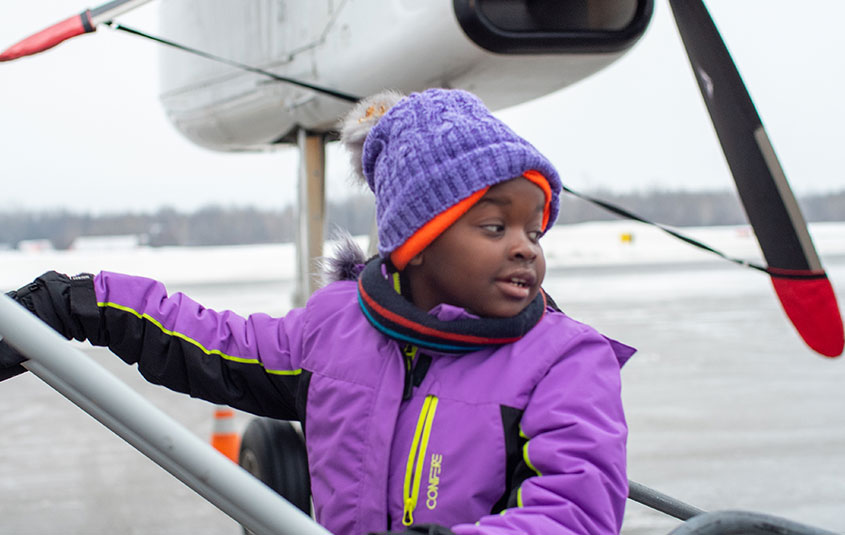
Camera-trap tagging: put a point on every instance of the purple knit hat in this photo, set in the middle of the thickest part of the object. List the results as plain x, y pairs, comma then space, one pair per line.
433, 149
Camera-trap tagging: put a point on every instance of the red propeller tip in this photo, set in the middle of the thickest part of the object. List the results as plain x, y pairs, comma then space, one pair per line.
49, 37
812, 308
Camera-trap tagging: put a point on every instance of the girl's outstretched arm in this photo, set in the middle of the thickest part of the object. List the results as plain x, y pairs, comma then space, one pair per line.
248, 363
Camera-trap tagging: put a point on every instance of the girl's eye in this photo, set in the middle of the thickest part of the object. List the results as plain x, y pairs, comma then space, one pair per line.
535, 235
495, 228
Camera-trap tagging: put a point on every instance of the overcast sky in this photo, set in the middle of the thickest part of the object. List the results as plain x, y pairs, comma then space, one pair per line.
81, 128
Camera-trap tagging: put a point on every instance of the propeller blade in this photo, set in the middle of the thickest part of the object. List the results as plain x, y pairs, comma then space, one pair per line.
85, 22
799, 280
50, 37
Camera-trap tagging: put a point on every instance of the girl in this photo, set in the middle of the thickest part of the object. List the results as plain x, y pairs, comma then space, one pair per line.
439, 389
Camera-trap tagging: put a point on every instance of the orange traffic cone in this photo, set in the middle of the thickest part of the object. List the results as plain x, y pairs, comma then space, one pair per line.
224, 437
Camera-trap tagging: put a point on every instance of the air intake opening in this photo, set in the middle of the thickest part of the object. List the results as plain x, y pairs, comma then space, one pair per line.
553, 26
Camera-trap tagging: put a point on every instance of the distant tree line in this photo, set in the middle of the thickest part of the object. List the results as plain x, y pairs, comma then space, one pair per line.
212, 225
687, 209
215, 225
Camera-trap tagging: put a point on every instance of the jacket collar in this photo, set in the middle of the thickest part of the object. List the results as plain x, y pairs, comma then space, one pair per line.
448, 329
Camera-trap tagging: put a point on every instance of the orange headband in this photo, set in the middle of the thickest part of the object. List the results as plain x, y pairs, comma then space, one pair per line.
541, 182
426, 234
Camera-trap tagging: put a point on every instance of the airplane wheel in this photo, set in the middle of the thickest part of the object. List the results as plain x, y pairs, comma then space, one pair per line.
274, 452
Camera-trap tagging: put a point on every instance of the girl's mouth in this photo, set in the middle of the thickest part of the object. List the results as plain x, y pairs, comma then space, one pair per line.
515, 287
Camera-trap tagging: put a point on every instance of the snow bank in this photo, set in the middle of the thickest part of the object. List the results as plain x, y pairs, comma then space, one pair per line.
588, 244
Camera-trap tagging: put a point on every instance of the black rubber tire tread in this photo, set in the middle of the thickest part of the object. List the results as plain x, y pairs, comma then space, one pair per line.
274, 452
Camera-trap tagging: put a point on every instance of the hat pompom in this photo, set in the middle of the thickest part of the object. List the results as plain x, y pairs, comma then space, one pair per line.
355, 126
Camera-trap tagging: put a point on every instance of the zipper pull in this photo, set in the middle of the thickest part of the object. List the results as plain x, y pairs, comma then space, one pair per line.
408, 515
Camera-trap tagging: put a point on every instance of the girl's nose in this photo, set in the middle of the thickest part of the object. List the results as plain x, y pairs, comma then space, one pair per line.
522, 248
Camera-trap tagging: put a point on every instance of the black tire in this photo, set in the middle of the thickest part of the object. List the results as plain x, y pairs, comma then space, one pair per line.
274, 452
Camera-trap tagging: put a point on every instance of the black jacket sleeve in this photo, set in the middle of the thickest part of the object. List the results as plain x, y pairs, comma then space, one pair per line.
50, 298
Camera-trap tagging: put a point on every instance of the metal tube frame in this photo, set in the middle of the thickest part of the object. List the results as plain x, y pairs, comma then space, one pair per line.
661, 502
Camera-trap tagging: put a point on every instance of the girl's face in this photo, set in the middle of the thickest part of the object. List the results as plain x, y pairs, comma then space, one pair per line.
489, 261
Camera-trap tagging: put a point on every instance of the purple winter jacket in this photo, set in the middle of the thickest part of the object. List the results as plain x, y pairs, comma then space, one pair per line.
525, 438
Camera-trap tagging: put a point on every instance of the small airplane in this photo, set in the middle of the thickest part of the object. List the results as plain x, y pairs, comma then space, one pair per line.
251, 75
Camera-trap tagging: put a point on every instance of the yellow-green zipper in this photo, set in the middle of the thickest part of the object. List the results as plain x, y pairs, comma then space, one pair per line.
416, 459
409, 352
